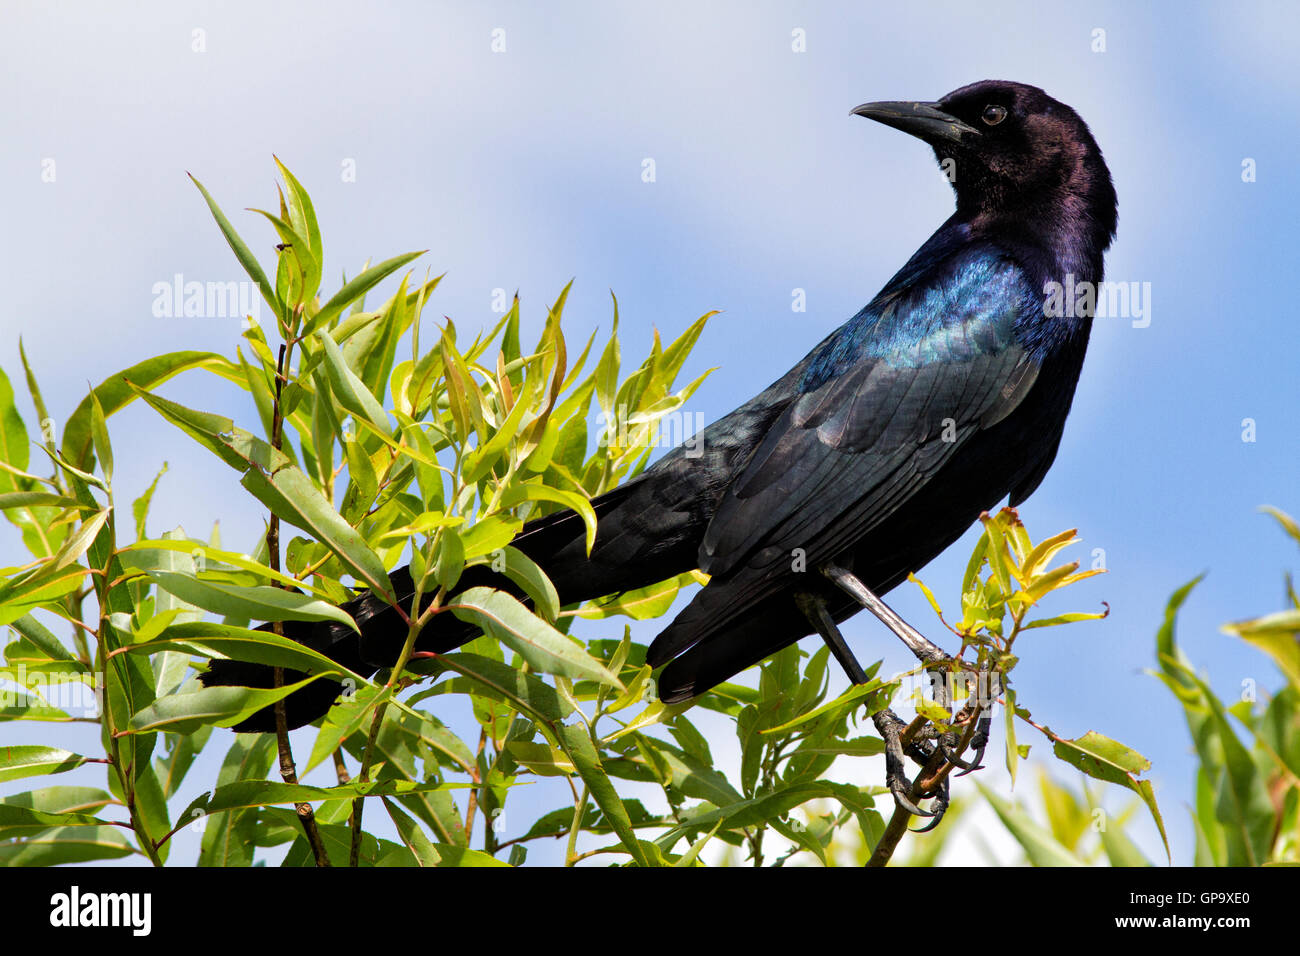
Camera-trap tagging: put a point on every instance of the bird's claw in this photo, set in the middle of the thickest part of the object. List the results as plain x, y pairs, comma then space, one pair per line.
950, 755
979, 741
940, 807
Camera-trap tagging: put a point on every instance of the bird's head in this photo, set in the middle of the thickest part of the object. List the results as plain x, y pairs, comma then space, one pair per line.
1012, 152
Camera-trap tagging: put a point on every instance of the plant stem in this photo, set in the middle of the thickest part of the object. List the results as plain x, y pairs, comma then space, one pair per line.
579, 808
934, 772
288, 772
412, 632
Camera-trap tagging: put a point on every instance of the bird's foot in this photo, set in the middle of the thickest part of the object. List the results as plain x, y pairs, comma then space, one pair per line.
921, 750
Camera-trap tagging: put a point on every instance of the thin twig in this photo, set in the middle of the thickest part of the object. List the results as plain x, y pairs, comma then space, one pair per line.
391, 687
288, 772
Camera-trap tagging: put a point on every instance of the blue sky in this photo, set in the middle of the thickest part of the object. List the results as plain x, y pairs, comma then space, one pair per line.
522, 169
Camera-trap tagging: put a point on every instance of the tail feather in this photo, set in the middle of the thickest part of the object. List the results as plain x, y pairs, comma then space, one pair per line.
701, 657
623, 559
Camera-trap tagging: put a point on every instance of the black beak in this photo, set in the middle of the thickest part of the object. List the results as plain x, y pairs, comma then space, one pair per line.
922, 120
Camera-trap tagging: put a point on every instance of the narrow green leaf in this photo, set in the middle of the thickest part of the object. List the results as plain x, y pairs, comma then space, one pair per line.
256, 603
31, 760
140, 507
542, 646
220, 706
14, 450
243, 254
578, 745
356, 289
63, 845
348, 389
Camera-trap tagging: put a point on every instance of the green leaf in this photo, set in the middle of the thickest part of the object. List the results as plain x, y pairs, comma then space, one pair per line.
1100, 757
1242, 802
1045, 550
542, 759
1276, 635
42, 585
282, 487
1285, 520
140, 507
42, 637
56, 801
542, 646
159, 555
99, 438
427, 853
1118, 847
1069, 618
874, 695
257, 603
27, 499
1037, 843
606, 374
533, 580
532, 491
578, 745
342, 722
121, 389
487, 535
214, 640
929, 595
303, 214
757, 811
24, 818
228, 837
66, 845
480, 462
641, 604
220, 706
1009, 724
243, 254
485, 677
996, 552
238, 448
1106, 759
14, 448
349, 390
355, 289
244, 794
298, 270
30, 760
290, 494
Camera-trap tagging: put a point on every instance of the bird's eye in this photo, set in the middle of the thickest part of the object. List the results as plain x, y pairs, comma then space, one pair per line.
993, 115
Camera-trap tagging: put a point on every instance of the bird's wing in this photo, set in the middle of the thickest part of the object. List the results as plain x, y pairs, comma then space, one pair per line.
888, 401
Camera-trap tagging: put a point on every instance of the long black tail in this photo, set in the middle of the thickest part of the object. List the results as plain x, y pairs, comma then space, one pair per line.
629, 553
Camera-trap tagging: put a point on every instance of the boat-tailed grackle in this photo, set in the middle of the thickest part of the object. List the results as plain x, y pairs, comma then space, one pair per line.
945, 394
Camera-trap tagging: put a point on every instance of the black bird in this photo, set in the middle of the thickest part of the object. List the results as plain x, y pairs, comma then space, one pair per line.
947, 393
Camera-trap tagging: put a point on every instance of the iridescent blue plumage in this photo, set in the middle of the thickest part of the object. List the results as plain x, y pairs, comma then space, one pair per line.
972, 299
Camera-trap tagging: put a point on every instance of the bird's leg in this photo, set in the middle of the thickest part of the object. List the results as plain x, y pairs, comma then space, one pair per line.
814, 608
888, 724
925, 650
889, 727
